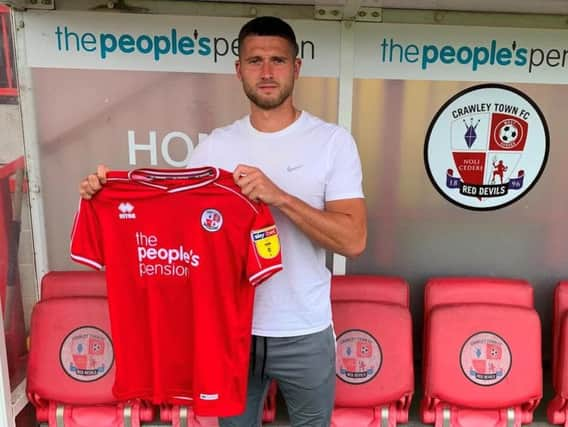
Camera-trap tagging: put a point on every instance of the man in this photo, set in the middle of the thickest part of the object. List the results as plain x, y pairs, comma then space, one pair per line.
309, 173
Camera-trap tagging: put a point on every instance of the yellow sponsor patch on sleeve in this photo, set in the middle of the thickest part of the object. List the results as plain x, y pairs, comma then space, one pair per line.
266, 242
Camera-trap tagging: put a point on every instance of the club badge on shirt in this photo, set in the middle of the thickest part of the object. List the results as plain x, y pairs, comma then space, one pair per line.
211, 220
266, 242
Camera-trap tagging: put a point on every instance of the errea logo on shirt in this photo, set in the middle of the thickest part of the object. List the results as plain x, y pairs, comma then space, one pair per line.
126, 211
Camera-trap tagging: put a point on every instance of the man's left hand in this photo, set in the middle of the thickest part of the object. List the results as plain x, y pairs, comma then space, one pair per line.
255, 185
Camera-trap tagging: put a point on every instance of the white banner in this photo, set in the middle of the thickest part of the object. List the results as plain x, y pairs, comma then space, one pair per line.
161, 43
430, 52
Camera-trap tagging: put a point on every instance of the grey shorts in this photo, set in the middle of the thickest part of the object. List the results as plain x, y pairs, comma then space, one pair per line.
303, 366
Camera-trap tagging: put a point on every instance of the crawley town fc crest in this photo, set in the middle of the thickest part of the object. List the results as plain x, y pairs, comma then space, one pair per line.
211, 220
86, 354
358, 357
485, 358
486, 147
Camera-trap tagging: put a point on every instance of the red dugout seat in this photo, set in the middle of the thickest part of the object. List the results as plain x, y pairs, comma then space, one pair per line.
557, 411
82, 288
60, 284
71, 361
482, 353
374, 367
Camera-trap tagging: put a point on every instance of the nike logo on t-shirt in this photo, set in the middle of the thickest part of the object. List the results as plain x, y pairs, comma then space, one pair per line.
291, 168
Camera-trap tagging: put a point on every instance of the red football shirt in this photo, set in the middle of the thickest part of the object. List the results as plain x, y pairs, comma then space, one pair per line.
182, 251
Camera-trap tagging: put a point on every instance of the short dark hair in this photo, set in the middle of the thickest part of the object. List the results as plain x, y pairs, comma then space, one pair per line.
268, 26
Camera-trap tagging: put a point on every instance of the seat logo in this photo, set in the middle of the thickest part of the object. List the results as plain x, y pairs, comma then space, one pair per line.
485, 358
359, 357
86, 354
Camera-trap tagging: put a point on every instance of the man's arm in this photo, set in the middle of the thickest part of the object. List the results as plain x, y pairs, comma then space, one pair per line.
341, 227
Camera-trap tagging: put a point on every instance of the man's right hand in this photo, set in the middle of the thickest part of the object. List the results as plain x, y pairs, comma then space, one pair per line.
93, 183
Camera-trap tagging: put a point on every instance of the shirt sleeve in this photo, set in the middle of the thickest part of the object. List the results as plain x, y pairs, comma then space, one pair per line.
200, 156
86, 237
344, 178
264, 255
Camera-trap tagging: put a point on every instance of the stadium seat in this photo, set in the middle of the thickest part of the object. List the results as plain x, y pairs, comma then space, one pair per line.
482, 353
87, 289
557, 410
71, 361
374, 366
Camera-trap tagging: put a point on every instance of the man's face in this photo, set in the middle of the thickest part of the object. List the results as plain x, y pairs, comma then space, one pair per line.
268, 70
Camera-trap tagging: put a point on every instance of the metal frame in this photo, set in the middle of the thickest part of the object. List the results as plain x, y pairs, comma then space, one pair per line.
11, 401
447, 417
31, 148
345, 107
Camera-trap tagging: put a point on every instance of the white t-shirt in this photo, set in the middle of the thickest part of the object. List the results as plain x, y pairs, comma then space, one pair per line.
315, 161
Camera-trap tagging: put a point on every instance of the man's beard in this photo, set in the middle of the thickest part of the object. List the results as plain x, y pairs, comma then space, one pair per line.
268, 103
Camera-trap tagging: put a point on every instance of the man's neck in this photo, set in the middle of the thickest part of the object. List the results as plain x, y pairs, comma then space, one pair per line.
273, 120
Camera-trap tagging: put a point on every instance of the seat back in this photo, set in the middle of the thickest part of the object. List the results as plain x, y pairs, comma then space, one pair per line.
71, 361
368, 288
485, 290
374, 362
481, 351
468, 290
71, 355
58, 284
